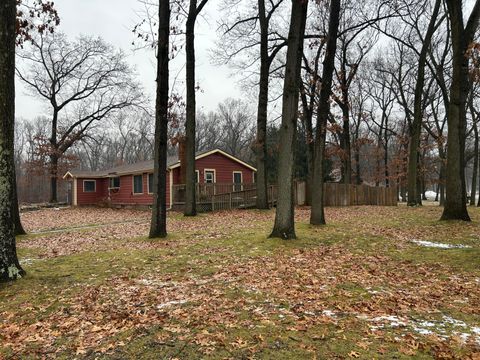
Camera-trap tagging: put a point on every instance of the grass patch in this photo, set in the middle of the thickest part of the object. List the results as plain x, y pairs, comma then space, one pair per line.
220, 290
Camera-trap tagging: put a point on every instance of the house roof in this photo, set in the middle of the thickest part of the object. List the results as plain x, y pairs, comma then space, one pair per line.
145, 166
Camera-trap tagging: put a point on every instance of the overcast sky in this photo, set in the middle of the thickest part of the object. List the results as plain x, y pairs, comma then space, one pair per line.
114, 20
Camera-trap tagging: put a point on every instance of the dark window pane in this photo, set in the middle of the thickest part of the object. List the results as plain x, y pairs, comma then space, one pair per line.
209, 177
150, 183
115, 182
89, 186
138, 184
237, 178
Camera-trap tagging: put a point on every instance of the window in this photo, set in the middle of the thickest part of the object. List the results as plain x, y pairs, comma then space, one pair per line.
138, 184
89, 185
209, 176
115, 182
237, 181
197, 176
150, 183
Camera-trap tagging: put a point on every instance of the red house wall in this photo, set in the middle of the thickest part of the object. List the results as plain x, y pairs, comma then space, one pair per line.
91, 198
223, 166
124, 196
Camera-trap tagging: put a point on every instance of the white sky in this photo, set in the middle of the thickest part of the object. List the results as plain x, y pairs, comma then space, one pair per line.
114, 20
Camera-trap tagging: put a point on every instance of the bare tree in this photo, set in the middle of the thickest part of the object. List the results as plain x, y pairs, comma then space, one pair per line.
317, 216
190, 198
284, 226
84, 82
254, 33
462, 37
10, 268
158, 226
236, 121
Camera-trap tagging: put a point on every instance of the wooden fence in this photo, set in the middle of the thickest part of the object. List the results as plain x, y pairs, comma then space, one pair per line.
211, 198
336, 194
204, 192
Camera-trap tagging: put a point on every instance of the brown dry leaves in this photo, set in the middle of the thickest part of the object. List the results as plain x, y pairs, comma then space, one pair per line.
291, 290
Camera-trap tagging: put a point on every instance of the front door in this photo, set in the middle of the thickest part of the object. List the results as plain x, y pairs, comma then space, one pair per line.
237, 181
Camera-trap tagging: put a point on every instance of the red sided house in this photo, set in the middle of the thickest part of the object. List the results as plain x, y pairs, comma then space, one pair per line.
128, 185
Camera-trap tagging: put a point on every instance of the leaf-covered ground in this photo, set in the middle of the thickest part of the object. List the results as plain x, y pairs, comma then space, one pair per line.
365, 286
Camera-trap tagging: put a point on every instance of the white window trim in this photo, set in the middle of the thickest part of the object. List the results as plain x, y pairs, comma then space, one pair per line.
95, 185
241, 179
148, 184
197, 174
133, 185
205, 175
74, 192
253, 176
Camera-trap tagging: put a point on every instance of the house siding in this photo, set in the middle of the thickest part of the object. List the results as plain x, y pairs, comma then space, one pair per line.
124, 196
224, 168
91, 198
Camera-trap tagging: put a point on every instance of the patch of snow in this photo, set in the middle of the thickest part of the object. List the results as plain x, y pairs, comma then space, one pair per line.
454, 322
440, 245
431, 195
157, 283
27, 261
171, 303
329, 313
443, 328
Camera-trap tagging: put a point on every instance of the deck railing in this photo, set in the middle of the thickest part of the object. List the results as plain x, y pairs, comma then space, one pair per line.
205, 191
219, 196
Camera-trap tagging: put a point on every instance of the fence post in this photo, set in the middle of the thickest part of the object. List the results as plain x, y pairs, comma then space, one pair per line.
230, 201
213, 203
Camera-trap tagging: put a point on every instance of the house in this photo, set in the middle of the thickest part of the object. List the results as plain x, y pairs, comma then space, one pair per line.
129, 185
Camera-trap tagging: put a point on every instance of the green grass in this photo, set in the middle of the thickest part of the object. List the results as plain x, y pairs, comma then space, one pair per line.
250, 323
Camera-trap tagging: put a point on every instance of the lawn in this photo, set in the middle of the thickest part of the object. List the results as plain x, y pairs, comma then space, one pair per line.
374, 283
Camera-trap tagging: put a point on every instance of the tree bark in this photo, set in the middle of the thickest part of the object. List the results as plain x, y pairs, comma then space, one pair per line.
53, 178
473, 192
347, 147
284, 226
416, 127
456, 202
261, 143
10, 268
317, 216
190, 197
158, 225
17, 223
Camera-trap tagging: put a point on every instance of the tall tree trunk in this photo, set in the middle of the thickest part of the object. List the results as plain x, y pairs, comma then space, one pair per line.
53, 178
190, 197
261, 143
441, 177
416, 127
456, 202
356, 152
317, 216
10, 268
17, 223
347, 146
473, 192
385, 162
158, 225
284, 226
307, 118
310, 158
